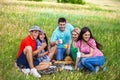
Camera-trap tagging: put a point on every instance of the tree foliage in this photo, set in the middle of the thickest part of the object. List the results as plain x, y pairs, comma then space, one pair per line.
34, 0
72, 1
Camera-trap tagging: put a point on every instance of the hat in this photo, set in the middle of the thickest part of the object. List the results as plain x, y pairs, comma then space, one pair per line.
33, 28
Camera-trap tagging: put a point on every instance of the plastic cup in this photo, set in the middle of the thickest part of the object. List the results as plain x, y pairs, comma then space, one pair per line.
65, 46
60, 41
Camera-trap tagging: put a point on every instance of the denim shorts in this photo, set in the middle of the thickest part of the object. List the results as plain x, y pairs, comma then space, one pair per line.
23, 63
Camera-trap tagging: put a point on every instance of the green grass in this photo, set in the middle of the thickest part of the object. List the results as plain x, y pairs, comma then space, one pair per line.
16, 17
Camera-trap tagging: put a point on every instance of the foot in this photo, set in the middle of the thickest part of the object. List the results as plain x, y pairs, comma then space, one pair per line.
26, 71
97, 69
35, 73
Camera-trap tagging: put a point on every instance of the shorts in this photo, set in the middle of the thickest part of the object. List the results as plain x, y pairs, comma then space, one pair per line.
44, 58
47, 59
23, 63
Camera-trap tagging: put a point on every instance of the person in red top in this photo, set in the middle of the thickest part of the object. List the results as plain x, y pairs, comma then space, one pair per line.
25, 59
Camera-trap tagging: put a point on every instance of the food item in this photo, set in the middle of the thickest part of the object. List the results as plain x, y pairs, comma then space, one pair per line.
63, 62
68, 58
65, 46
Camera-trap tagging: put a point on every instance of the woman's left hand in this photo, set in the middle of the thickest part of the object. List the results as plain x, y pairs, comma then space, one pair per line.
40, 55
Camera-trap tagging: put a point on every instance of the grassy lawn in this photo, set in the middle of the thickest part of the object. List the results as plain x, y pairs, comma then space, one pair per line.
16, 17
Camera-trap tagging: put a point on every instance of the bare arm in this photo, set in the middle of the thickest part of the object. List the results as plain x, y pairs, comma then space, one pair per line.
39, 49
77, 59
68, 49
90, 54
43, 54
53, 43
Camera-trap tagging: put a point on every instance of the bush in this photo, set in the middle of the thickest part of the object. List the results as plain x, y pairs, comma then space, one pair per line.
72, 1
34, 0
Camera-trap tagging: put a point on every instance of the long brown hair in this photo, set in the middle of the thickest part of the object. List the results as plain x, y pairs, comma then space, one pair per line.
84, 30
46, 40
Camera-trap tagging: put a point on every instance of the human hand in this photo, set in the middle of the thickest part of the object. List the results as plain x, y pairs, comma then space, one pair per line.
82, 55
40, 55
44, 44
65, 46
56, 42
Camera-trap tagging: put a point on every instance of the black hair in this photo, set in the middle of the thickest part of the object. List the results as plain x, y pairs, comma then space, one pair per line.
84, 30
46, 40
62, 19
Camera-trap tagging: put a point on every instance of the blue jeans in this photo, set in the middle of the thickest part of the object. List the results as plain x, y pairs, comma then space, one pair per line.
60, 53
91, 62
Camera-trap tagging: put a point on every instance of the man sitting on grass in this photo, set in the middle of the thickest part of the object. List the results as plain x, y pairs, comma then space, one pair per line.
60, 38
25, 57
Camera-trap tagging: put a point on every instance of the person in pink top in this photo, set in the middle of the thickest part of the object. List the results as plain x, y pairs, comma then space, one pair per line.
90, 57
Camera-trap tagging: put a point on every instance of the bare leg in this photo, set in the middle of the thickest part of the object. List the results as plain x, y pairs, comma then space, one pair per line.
43, 65
28, 53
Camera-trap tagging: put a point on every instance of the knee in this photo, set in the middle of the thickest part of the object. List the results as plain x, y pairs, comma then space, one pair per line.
84, 61
47, 65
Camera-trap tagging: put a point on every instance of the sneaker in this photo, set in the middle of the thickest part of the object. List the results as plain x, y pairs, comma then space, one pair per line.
52, 67
26, 71
104, 69
97, 69
35, 73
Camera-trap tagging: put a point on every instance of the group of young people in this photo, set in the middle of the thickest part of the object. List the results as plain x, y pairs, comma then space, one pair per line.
36, 54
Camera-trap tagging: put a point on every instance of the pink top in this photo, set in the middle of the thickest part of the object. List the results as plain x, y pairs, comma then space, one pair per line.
86, 48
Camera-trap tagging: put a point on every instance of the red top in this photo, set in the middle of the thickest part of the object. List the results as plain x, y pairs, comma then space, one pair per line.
28, 41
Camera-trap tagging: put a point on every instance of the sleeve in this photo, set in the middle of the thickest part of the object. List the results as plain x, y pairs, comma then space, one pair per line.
70, 26
92, 43
27, 43
38, 43
56, 28
53, 37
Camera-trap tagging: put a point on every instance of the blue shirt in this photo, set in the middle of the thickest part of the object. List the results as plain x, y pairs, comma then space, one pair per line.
68, 26
64, 35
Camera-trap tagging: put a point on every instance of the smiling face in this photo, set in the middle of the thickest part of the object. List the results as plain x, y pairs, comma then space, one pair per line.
62, 26
86, 36
41, 36
75, 35
34, 34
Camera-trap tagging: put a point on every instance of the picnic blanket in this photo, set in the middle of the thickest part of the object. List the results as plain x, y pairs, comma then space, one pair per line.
57, 66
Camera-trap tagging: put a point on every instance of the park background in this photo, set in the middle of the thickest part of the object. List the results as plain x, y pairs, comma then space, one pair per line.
102, 16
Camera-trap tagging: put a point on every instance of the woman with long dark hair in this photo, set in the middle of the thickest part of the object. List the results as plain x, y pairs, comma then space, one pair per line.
90, 57
45, 54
